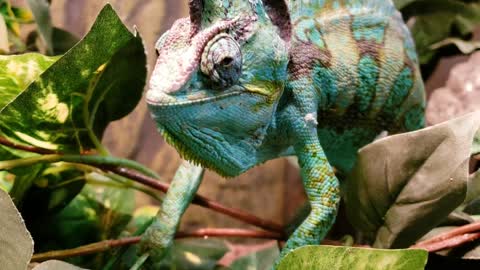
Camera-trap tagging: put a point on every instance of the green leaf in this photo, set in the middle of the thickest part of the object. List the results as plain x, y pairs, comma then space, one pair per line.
18, 71
69, 106
16, 244
399, 191
41, 12
400, 4
56, 265
52, 190
97, 213
261, 260
332, 258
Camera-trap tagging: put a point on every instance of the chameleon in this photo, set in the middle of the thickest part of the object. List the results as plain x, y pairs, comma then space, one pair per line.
241, 82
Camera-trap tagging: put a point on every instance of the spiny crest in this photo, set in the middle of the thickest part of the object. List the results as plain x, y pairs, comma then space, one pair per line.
299, 7
204, 13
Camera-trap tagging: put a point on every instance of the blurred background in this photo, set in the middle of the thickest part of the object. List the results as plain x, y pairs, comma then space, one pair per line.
272, 191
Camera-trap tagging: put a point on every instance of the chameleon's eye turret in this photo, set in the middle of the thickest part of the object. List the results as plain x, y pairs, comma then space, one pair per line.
222, 61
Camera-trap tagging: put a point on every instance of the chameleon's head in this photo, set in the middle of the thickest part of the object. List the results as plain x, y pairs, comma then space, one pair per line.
217, 82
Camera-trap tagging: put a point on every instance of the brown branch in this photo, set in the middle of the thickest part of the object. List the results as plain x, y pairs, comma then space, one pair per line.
466, 229
109, 244
201, 201
84, 250
157, 185
452, 242
213, 232
32, 149
452, 238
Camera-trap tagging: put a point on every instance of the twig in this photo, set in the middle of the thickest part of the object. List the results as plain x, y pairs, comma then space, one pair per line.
85, 250
153, 183
213, 232
446, 239
452, 242
201, 201
109, 244
469, 228
32, 149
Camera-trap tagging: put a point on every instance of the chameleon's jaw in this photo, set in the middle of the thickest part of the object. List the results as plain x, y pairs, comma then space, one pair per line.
158, 98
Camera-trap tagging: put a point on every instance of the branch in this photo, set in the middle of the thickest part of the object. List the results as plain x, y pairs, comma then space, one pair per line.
27, 148
452, 238
142, 178
84, 250
109, 244
201, 201
452, 242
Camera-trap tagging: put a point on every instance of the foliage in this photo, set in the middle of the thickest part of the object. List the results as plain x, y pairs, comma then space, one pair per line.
62, 105
441, 28
333, 258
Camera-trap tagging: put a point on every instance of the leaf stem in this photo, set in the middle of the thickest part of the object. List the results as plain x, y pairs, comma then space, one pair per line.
138, 264
83, 159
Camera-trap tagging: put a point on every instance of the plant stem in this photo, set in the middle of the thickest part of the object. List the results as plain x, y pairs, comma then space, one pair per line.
138, 264
85, 250
145, 177
83, 159
468, 229
27, 148
109, 244
452, 242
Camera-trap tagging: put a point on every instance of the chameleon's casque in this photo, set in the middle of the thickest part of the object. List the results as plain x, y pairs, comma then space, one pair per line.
244, 81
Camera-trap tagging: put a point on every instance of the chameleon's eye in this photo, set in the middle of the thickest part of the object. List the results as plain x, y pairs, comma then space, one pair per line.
222, 61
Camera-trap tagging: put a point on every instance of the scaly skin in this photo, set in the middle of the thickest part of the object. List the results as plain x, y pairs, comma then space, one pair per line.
242, 82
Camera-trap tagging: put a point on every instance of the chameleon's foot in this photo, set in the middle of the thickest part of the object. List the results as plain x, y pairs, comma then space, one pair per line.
157, 241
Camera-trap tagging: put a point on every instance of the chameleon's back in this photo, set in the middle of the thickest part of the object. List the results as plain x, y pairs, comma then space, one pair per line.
364, 68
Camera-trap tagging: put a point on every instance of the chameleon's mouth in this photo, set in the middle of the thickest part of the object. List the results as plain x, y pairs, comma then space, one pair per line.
162, 99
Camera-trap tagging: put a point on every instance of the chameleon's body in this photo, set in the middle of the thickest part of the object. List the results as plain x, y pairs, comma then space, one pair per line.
242, 82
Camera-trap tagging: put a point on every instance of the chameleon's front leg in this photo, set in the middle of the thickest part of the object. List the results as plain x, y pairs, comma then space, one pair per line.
160, 235
322, 188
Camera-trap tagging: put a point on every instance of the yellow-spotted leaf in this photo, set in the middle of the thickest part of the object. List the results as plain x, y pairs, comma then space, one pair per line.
69, 105
18, 71
337, 258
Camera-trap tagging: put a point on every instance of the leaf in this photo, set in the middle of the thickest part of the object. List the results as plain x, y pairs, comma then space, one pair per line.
331, 258
4, 46
56, 265
16, 244
400, 4
51, 191
41, 12
405, 185
99, 80
18, 71
261, 260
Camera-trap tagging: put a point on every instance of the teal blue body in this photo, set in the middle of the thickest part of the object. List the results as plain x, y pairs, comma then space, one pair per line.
243, 82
